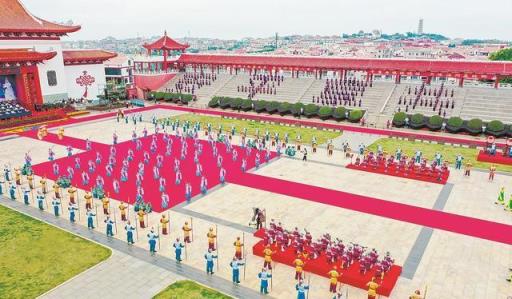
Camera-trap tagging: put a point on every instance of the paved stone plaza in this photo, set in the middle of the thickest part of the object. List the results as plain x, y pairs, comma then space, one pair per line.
451, 264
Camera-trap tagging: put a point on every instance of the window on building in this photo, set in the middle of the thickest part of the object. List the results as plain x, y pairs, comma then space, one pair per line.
52, 78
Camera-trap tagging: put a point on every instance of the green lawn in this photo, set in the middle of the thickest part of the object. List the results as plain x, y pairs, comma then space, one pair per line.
35, 257
429, 149
306, 134
187, 289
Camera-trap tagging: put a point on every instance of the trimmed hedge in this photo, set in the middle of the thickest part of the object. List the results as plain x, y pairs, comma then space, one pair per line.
496, 128
284, 108
225, 103
214, 102
236, 103
474, 126
454, 124
355, 115
417, 121
272, 107
399, 119
246, 105
339, 113
260, 105
311, 110
435, 123
325, 112
297, 109
174, 97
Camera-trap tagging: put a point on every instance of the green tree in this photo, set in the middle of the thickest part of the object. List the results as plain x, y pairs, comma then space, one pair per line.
503, 55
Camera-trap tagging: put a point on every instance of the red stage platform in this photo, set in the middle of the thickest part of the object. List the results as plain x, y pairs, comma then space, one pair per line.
319, 266
392, 171
497, 159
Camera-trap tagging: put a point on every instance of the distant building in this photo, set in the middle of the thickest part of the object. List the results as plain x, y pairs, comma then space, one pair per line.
420, 26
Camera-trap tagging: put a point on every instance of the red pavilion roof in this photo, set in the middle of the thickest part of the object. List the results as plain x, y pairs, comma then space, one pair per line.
16, 20
501, 68
23, 56
165, 43
86, 56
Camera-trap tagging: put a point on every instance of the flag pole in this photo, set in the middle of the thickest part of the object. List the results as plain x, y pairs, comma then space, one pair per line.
96, 209
46, 201
158, 230
217, 245
243, 252
78, 203
136, 226
307, 290
191, 231
115, 220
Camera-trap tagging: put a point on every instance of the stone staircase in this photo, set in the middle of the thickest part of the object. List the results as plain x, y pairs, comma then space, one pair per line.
290, 90
402, 90
487, 104
373, 97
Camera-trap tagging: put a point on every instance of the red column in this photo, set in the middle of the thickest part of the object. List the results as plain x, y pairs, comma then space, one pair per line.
461, 82
497, 82
398, 78
165, 60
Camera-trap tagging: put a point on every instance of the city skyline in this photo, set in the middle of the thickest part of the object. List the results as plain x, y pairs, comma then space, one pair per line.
227, 19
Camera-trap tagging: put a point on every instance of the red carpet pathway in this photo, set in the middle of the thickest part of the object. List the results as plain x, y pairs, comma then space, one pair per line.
474, 227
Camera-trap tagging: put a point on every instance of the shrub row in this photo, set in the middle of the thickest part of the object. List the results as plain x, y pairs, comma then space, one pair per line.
286, 108
453, 124
183, 98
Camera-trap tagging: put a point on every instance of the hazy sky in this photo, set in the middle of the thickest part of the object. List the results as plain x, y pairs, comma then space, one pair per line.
261, 18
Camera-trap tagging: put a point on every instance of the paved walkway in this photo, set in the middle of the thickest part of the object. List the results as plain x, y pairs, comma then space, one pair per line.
413, 260
121, 276
142, 257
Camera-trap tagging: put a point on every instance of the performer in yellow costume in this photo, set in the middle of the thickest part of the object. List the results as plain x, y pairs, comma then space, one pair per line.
60, 133
299, 267
238, 248
372, 289
211, 239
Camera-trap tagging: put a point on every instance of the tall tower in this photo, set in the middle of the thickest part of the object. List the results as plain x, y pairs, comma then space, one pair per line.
420, 26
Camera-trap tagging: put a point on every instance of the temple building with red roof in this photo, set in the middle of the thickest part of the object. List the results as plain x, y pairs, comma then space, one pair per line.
34, 65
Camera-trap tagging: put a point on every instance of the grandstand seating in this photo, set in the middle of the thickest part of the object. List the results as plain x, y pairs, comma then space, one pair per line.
487, 104
428, 100
201, 92
289, 90
11, 109
381, 100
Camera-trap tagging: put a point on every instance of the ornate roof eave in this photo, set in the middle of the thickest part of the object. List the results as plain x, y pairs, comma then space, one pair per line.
17, 56
22, 35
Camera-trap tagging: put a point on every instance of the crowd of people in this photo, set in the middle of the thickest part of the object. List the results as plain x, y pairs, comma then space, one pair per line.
332, 250
12, 109
191, 82
343, 92
400, 163
438, 100
261, 84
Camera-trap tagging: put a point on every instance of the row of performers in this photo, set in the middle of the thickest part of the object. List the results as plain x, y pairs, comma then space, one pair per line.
333, 250
403, 163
